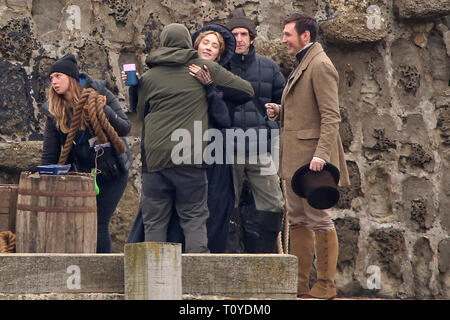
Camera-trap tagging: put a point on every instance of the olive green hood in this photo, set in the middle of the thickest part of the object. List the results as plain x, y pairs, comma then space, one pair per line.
176, 47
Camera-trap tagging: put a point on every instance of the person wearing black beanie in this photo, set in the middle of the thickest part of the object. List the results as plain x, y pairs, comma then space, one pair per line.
262, 221
67, 65
63, 96
240, 20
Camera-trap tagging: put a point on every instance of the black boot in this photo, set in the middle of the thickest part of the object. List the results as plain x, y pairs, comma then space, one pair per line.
251, 238
261, 232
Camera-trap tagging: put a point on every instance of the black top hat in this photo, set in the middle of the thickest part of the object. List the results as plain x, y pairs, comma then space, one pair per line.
318, 187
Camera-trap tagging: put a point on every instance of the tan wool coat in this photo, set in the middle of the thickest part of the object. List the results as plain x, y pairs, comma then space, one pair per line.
309, 116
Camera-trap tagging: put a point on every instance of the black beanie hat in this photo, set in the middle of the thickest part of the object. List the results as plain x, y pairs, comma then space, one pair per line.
240, 20
67, 65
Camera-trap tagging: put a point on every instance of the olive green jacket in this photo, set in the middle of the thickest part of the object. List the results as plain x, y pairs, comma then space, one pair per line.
170, 99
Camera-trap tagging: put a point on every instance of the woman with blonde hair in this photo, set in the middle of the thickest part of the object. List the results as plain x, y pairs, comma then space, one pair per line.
67, 85
217, 42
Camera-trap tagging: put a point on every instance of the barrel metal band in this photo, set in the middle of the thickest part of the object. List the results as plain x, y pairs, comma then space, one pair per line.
24, 207
44, 193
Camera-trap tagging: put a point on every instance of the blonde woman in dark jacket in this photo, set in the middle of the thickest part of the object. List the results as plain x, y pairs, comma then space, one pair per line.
66, 87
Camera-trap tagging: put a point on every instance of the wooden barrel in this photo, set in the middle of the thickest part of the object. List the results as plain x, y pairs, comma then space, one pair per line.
56, 214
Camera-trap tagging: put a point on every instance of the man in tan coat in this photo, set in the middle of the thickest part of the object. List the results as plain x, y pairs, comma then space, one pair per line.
309, 118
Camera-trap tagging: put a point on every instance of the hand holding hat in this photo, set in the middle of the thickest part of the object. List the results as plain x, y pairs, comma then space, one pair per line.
318, 187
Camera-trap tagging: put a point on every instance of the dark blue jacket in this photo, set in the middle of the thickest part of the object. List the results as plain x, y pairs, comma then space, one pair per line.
268, 83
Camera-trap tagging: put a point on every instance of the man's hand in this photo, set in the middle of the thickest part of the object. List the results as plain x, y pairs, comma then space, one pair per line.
272, 110
316, 164
200, 74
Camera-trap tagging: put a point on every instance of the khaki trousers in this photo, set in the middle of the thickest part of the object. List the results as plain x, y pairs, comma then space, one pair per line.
264, 184
300, 213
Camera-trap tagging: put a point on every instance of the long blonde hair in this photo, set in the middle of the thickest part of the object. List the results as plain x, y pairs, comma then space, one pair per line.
62, 109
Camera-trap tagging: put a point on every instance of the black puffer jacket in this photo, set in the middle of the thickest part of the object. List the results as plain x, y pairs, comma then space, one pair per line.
54, 138
268, 83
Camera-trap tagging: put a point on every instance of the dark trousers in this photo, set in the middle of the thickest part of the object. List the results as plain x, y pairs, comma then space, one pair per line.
184, 187
110, 194
220, 205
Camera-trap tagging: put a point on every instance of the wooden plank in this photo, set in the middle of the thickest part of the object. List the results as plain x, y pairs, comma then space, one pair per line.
5, 194
8, 203
3, 222
78, 225
13, 207
90, 223
41, 222
50, 226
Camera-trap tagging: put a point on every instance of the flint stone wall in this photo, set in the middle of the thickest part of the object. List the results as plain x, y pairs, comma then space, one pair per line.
393, 60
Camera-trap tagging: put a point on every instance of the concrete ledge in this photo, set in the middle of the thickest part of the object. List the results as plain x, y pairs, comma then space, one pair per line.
62, 296
220, 276
60, 272
240, 275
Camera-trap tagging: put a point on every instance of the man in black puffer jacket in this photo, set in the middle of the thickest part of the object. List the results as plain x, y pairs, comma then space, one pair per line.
261, 227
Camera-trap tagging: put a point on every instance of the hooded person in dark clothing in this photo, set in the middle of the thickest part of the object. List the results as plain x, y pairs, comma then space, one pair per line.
169, 98
66, 87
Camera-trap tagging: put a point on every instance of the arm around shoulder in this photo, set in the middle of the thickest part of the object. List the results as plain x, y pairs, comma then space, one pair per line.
233, 87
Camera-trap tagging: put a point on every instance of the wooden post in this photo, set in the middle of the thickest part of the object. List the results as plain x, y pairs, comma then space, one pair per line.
152, 271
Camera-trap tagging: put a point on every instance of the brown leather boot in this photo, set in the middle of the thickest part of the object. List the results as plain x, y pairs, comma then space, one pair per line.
327, 249
301, 244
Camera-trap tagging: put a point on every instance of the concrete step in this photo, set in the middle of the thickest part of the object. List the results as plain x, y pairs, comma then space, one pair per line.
236, 276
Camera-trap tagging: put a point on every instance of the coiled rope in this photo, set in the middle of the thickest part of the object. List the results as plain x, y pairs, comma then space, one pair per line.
7, 242
90, 109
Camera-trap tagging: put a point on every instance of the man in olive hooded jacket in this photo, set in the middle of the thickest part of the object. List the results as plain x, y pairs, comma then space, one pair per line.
173, 107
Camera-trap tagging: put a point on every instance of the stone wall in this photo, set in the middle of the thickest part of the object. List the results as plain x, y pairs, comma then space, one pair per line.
394, 66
